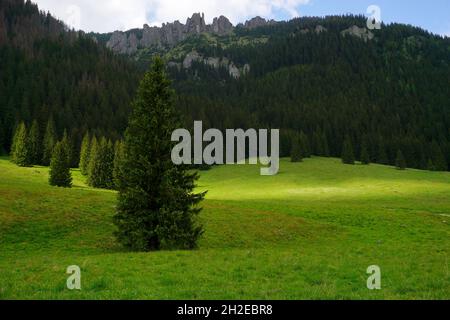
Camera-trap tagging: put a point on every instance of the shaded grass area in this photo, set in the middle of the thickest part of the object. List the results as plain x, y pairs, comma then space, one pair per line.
308, 233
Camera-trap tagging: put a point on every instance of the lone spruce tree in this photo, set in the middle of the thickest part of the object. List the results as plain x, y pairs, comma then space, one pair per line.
157, 206
60, 175
84, 154
348, 156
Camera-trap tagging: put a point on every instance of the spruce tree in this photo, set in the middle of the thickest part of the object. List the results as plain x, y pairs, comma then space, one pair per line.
157, 206
118, 159
67, 143
400, 161
100, 173
21, 153
2, 139
382, 157
34, 143
60, 174
438, 158
49, 142
365, 157
348, 156
296, 153
430, 165
13, 144
325, 146
317, 144
84, 154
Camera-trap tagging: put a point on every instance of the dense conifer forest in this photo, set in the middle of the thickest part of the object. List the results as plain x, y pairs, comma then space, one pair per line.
328, 93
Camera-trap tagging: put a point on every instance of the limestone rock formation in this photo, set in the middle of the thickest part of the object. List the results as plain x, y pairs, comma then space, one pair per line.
170, 34
358, 32
258, 22
319, 29
221, 26
213, 62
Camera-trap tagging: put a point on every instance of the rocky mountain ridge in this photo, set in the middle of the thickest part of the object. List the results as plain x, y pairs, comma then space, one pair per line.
171, 34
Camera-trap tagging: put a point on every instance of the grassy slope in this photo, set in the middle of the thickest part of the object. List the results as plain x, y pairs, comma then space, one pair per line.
308, 233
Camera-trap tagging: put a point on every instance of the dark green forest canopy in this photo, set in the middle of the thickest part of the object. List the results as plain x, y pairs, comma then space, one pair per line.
392, 92
61, 74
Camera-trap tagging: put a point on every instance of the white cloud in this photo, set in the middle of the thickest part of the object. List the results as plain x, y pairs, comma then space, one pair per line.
110, 15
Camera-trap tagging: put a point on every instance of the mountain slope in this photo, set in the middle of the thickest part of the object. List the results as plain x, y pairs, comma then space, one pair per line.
51, 72
330, 78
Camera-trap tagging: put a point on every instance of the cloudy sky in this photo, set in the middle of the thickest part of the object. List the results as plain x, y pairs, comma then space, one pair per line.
110, 15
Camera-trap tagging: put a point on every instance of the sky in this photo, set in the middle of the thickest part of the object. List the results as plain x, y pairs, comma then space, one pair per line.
111, 15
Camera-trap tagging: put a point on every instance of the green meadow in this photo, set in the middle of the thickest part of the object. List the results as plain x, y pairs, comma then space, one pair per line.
310, 232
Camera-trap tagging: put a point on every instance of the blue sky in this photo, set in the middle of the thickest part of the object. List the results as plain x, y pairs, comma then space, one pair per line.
107, 15
433, 15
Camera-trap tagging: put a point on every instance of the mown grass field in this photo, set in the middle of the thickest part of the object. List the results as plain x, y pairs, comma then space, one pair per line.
308, 233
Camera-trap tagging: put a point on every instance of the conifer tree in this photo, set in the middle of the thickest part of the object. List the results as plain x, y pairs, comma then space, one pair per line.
382, 157
118, 159
101, 164
157, 206
365, 157
400, 161
348, 156
325, 146
20, 153
67, 143
34, 143
13, 144
60, 174
85, 154
49, 142
296, 153
430, 165
2, 138
438, 158
317, 144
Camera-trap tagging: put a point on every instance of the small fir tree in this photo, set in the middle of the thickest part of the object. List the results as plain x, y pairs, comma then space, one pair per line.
85, 154
118, 159
60, 174
365, 157
296, 153
34, 143
20, 153
49, 142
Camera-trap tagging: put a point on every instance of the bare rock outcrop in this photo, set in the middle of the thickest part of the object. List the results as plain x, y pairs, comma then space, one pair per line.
358, 32
258, 22
221, 26
213, 62
170, 34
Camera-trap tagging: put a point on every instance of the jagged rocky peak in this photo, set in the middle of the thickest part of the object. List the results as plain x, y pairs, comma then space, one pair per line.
222, 26
172, 33
258, 22
196, 24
